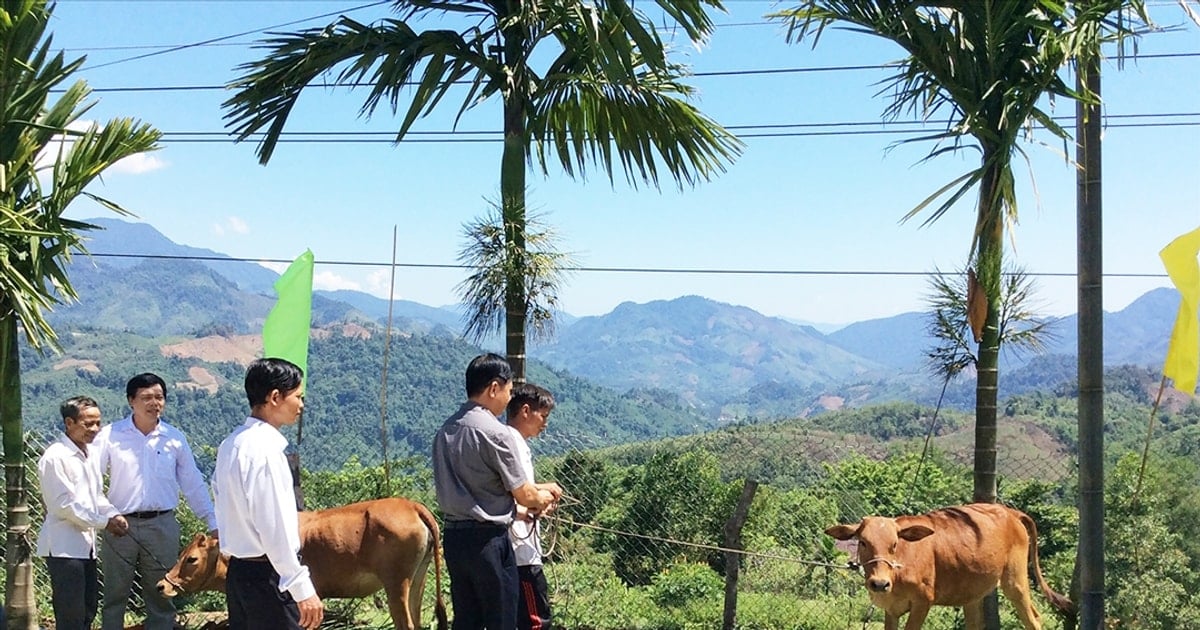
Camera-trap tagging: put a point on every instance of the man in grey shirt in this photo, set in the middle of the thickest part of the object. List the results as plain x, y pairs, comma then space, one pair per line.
479, 480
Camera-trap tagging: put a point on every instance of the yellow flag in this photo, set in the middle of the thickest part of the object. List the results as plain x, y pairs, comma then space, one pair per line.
1183, 354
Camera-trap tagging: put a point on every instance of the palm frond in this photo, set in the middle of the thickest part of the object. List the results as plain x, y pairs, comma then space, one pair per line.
538, 266
1022, 328
386, 57
37, 242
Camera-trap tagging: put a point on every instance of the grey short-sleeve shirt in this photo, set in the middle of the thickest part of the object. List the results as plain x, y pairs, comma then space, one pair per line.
476, 467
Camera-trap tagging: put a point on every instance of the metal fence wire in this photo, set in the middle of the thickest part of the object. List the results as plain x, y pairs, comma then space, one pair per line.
35, 444
646, 535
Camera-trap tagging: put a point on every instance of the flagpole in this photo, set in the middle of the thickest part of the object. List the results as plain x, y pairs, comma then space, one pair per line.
387, 347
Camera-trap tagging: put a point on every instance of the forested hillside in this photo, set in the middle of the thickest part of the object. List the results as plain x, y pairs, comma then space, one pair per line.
343, 408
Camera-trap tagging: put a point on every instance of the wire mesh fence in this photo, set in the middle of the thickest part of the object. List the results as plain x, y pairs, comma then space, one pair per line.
646, 535
35, 444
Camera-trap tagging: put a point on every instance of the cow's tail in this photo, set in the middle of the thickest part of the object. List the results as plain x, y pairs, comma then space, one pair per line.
1058, 601
439, 606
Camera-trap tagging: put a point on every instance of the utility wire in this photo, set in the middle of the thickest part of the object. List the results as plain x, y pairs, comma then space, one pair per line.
717, 73
653, 270
215, 40
414, 138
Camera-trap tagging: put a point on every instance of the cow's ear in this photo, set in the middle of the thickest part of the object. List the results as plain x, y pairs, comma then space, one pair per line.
843, 532
913, 533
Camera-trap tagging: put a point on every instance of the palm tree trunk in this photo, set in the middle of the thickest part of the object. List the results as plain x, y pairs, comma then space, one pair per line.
512, 194
1090, 283
18, 585
989, 263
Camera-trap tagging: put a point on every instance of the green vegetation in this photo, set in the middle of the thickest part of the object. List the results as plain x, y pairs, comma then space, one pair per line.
605, 574
49, 156
342, 412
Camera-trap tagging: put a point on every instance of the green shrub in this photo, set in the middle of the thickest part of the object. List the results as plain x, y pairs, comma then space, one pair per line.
679, 584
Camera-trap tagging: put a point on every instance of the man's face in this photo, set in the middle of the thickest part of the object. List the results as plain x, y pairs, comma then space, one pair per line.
83, 428
291, 404
497, 398
148, 402
537, 421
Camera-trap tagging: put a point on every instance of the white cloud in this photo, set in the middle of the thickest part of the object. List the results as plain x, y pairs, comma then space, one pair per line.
138, 164
132, 165
238, 225
329, 281
377, 283
233, 225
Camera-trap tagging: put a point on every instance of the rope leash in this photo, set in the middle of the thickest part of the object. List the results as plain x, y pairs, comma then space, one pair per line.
756, 554
146, 550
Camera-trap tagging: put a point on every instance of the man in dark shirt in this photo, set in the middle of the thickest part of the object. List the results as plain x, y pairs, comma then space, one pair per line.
479, 480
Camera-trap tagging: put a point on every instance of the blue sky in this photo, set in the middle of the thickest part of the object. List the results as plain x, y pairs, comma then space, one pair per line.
817, 203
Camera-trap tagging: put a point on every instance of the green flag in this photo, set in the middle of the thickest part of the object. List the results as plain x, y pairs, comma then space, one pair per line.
285, 333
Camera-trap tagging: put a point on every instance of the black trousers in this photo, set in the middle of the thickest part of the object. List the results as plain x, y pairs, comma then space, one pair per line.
534, 611
254, 600
483, 577
75, 592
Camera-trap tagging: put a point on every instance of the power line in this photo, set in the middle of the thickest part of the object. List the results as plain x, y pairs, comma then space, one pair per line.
493, 137
919, 124
716, 73
215, 40
584, 269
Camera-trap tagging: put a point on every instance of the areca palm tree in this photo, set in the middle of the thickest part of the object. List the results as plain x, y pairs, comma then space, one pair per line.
989, 64
607, 93
48, 156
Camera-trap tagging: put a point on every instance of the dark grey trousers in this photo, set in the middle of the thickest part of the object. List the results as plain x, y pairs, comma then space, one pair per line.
75, 588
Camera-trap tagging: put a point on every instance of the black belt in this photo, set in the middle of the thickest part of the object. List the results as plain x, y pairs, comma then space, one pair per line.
147, 514
473, 525
262, 558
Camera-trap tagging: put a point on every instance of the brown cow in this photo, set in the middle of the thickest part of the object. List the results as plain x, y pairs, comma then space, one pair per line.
949, 557
351, 551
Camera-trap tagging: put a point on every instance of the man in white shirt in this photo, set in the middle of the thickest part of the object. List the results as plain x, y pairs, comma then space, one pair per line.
75, 508
527, 414
266, 586
149, 462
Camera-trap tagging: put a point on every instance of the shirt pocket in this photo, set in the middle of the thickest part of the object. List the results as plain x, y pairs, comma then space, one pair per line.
163, 462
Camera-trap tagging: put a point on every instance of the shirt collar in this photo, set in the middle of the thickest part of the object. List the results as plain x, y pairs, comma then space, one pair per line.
276, 437
75, 450
128, 426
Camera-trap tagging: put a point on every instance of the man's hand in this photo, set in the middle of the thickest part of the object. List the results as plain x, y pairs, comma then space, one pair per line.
312, 611
117, 525
553, 488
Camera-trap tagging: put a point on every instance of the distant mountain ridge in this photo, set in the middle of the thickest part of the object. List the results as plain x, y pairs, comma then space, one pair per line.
724, 358
705, 350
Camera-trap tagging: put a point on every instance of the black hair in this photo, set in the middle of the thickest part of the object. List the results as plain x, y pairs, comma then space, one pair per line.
538, 398
484, 369
143, 381
72, 407
267, 375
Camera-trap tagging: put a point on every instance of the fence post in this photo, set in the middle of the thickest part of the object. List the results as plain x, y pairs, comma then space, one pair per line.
733, 540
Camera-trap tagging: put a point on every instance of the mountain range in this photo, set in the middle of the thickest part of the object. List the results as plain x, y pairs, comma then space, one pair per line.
725, 360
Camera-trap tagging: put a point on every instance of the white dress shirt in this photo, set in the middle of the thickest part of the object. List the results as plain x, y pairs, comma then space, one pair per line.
256, 507
75, 504
148, 471
525, 535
